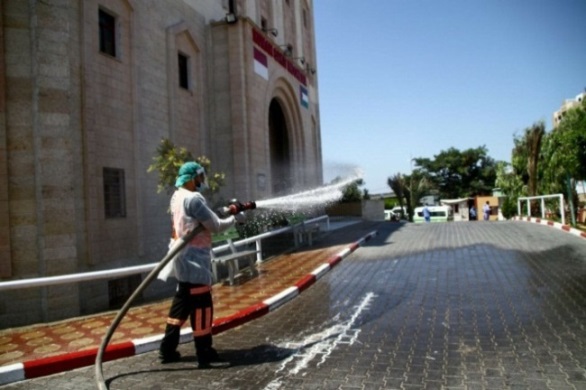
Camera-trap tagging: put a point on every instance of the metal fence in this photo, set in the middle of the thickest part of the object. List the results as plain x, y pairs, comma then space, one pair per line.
139, 269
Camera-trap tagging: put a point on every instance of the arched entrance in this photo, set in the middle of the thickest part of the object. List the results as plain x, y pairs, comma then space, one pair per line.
279, 149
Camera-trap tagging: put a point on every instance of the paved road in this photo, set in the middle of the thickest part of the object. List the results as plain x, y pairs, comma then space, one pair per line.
469, 305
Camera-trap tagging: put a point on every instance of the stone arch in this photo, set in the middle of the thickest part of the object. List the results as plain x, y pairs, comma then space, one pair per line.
285, 137
279, 148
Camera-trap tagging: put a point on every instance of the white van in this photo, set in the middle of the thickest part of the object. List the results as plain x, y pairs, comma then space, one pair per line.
437, 214
394, 214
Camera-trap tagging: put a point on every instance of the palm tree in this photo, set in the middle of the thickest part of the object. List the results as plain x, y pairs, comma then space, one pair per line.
418, 186
397, 184
533, 138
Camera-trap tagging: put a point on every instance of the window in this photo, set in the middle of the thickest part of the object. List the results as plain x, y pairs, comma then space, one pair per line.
114, 195
107, 33
119, 290
263, 23
183, 70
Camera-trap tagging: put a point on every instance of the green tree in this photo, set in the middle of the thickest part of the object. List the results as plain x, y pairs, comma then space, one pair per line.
351, 193
565, 147
418, 184
397, 184
169, 158
512, 186
565, 155
458, 173
526, 156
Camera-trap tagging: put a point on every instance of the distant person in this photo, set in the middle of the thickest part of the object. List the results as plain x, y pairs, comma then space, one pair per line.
486, 211
426, 214
473, 213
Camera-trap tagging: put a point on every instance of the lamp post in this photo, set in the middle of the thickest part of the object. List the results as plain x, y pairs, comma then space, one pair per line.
411, 203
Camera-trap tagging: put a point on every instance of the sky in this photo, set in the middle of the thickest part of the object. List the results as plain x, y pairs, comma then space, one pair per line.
402, 79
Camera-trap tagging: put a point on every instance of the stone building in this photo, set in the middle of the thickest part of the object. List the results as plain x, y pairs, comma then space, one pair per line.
567, 105
88, 88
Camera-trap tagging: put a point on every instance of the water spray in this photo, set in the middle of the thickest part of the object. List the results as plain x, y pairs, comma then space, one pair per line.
325, 195
306, 199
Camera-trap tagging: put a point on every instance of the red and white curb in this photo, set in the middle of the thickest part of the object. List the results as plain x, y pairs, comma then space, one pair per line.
557, 225
60, 363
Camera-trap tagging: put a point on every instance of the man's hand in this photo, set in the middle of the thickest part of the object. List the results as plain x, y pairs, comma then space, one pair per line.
240, 218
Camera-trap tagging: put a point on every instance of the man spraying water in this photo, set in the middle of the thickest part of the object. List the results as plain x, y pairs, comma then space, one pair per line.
193, 268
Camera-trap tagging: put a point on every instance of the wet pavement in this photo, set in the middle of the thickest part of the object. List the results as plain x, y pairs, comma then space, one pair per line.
435, 306
46, 349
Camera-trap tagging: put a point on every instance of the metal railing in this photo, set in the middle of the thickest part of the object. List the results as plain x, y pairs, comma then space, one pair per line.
258, 238
139, 269
542, 198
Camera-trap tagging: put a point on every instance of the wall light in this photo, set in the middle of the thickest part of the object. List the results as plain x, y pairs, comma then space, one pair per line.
287, 49
301, 60
274, 32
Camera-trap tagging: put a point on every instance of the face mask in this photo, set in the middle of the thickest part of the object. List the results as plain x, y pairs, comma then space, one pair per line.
203, 186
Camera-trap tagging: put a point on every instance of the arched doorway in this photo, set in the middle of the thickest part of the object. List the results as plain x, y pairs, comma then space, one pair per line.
279, 149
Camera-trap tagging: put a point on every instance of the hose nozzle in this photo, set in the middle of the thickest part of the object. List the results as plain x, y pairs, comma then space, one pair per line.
236, 207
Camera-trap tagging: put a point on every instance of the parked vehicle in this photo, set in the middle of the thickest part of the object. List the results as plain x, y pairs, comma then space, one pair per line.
394, 214
390, 216
397, 211
437, 214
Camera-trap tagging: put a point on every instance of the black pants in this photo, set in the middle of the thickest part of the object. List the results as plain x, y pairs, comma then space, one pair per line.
193, 301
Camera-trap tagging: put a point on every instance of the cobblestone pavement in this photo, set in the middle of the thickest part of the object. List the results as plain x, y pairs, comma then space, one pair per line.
471, 305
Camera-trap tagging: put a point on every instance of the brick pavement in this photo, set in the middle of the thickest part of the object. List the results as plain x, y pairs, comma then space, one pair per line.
469, 305
44, 349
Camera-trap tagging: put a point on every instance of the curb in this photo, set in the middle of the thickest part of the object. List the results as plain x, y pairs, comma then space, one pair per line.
69, 361
557, 225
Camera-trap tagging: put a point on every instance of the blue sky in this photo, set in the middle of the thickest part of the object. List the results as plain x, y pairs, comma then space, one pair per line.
400, 79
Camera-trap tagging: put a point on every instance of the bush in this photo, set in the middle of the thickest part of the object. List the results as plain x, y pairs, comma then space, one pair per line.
167, 161
509, 208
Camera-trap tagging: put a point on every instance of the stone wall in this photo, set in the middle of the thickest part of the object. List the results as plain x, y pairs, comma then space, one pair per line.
42, 106
372, 210
69, 110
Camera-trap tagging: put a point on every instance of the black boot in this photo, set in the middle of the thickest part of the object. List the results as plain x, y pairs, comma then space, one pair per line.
209, 358
168, 348
169, 357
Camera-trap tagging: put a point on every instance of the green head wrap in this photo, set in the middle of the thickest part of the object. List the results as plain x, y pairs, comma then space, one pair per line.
187, 172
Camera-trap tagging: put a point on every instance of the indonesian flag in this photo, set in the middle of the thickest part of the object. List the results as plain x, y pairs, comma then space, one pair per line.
261, 64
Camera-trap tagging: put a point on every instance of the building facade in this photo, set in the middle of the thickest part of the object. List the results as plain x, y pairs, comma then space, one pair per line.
88, 90
566, 105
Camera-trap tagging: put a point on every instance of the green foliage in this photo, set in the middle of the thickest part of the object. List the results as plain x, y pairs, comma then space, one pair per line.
509, 207
526, 156
390, 203
167, 161
509, 181
541, 163
564, 149
169, 158
458, 173
351, 193
397, 184
230, 234
365, 194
